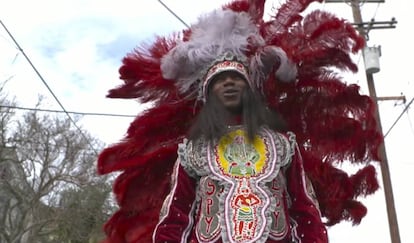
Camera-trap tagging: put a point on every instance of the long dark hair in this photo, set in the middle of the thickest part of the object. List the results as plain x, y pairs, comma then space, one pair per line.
213, 120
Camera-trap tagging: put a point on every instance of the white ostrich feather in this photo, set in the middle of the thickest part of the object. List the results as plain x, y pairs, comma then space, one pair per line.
217, 33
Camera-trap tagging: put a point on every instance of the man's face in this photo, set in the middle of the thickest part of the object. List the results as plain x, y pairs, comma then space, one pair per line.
228, 87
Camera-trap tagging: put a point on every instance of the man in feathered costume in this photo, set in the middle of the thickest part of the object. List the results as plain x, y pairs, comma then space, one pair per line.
248, 123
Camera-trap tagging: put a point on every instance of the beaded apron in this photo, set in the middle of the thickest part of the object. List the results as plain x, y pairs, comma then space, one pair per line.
240, 187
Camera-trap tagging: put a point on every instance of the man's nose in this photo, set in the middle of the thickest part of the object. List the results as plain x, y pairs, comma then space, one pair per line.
228, 80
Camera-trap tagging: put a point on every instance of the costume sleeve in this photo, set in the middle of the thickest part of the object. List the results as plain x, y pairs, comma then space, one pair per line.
307, 225
176, 217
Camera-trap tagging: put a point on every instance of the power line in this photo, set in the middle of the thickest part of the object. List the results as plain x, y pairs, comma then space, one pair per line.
70, 112
398, 118
363, 28
175, 15
47, 86
410, 123
385, 170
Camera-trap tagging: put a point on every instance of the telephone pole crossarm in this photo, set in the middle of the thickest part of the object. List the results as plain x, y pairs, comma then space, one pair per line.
363, 29
376, 24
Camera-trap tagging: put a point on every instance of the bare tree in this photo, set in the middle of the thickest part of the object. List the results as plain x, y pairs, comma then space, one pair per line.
46, 165
86, 205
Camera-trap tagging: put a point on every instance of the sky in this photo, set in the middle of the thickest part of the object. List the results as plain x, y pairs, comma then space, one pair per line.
77, 46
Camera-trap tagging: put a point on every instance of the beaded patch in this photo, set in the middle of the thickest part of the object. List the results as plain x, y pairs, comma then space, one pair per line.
246, 167
208, 225
237, 158
240, 188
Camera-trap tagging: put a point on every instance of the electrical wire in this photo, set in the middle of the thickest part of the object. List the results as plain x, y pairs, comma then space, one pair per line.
175, 15
47, 86
398, 118
70, 112
410, 122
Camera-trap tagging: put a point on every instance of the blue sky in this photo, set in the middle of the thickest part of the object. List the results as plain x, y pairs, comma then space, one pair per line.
77, 47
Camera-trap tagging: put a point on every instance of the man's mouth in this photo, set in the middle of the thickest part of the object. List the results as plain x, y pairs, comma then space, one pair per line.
230, 92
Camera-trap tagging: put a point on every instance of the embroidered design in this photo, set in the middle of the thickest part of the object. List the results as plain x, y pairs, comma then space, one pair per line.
238, 158
244, 204
208, 226
244, 165
279, 227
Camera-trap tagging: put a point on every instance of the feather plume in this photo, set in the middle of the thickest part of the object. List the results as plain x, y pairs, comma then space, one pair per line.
213, 35
333, 122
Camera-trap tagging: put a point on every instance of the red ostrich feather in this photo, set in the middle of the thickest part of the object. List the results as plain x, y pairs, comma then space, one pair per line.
333, 122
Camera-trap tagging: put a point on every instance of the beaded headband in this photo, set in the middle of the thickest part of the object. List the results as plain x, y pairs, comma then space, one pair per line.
227, 63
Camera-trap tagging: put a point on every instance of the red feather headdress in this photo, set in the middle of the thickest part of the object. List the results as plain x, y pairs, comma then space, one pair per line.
332, 121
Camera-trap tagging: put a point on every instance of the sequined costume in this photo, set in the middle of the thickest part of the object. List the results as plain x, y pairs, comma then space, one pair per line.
279, 189
260, 196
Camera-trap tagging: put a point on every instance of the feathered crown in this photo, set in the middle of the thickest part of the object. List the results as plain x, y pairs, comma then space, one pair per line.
332, 121
224, 40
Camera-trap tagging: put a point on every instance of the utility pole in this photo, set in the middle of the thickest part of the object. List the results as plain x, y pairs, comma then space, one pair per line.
363, 28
